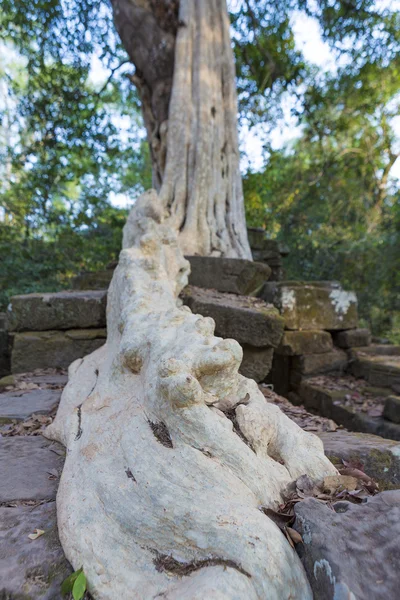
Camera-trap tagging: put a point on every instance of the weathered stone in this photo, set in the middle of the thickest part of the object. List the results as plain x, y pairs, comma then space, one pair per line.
352, 338
256, 237
378, 350
93, 280
380, 370
26, 464
329, 403
392, 409
312, 364
7, 380
313, 305
245, 319
31, 568
51, 379
305, 342
20, 404
232, 275
377, 456
62, 310
40, 349
352, 551
3, 320
256, 363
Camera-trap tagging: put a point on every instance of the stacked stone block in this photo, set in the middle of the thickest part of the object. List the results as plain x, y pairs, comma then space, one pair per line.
267, 251
52, 330
320, 325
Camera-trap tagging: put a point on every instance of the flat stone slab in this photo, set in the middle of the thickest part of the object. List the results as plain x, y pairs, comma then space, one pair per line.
61, 310
245, 319
313, 364
26, 463
31, 569
352, 551
93, 280
328, 403
21, 404
232, 275
56, 349
377, 456
313, 305
296, 343
379, 365
353, 338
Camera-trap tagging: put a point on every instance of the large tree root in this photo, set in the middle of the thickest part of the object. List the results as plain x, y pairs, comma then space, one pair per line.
170, 452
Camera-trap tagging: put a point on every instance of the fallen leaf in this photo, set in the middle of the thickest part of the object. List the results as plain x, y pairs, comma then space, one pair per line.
335, 482
37, 533
294, 535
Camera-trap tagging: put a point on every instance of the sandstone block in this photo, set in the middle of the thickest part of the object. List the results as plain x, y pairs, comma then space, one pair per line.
380, 370
245, 319
232, 275
93, 280
62, 310
31, 568
353, 550
20, 405
352, 338
313, 305
256, 363
329, 403
313, 364
41, 349
25, 463
295, 343
392, 409
378, 457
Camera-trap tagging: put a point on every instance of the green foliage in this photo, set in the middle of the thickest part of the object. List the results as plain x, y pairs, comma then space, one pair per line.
328, 194
75, 584
61, 149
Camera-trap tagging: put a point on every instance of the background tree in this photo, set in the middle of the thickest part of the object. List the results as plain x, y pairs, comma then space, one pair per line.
330, 194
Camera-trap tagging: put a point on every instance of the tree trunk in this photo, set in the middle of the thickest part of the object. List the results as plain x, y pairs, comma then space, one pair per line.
186, 81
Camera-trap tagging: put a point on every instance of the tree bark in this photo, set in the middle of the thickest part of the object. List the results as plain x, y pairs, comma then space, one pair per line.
186, 80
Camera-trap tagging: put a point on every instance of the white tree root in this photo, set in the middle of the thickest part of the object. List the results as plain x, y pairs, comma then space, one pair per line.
170, 452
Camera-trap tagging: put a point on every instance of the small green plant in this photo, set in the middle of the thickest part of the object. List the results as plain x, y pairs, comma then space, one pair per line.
75, 584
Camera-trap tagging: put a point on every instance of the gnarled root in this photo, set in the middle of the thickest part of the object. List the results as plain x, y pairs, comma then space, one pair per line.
170, 452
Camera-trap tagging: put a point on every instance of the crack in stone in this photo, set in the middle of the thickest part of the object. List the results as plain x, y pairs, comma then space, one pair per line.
166, 563
161, 433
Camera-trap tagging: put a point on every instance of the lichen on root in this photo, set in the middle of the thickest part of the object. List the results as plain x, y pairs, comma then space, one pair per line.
170, 452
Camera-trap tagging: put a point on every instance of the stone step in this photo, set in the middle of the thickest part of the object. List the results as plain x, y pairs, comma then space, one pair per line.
379, 365
60, 310
352, 338
31, 568
298, 343
42, 349
19, 405
330, 403
231, 275
351, 550
377, 456
26, 466
313, 305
